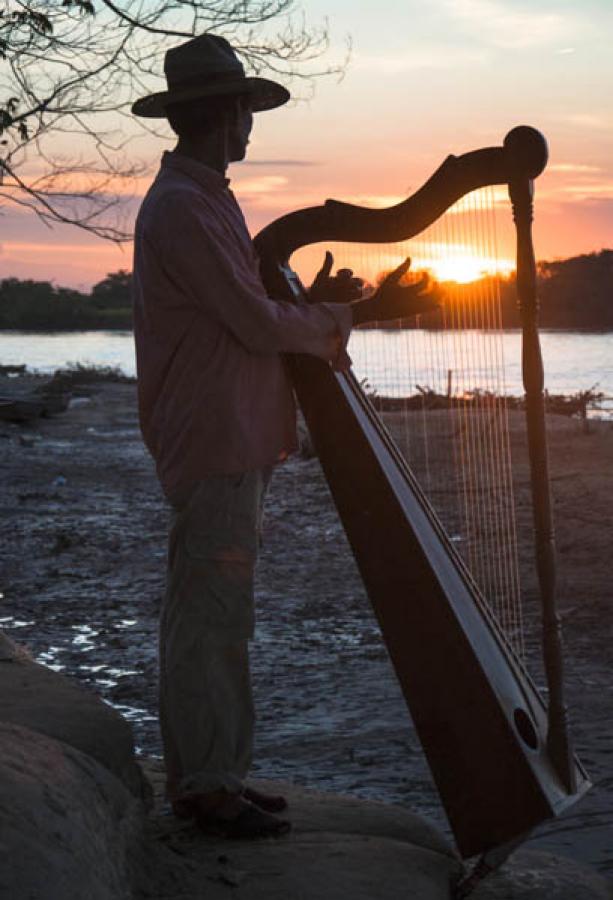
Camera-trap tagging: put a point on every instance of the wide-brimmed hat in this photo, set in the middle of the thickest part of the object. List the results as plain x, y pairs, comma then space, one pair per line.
207, 66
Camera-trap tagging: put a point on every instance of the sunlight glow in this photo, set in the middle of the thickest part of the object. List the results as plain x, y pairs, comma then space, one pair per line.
466, 268
444, 262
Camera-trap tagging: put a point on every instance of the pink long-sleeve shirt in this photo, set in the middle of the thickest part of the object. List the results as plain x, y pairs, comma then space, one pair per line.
214, 396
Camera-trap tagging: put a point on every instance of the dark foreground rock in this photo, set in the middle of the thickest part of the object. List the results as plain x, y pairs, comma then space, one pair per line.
343, 849
532, 875
340, 849
70, 829
74, 824
44, 701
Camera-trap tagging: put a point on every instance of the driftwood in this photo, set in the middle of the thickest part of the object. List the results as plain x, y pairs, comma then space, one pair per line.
559, 404
21, 410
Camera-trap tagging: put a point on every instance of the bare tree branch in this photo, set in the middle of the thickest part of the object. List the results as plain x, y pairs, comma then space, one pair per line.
70, 70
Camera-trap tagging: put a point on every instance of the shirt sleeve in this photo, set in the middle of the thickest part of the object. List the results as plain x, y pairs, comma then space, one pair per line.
219, 274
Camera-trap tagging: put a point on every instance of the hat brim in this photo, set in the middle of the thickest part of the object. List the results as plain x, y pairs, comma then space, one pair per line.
265, 95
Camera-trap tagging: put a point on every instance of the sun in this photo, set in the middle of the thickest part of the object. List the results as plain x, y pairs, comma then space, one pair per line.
444, 261
466, 267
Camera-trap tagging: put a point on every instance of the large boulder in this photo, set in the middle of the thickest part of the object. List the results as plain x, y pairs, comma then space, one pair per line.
70, 830
45, 701
71, 824
341, 848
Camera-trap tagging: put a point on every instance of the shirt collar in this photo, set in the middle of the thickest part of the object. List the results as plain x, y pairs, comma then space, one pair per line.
205, 176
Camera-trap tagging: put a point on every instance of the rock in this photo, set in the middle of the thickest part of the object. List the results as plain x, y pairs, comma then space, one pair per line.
28, 440
340, 848
55, 402
10, 651
69, 828
314, 811
45, 701
20, 409
536, 875
76, 402
337, 867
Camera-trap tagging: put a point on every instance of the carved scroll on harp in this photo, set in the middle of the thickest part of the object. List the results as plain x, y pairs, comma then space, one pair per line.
499, 766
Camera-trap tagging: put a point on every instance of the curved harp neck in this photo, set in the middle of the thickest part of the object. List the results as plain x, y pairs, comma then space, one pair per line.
522, 156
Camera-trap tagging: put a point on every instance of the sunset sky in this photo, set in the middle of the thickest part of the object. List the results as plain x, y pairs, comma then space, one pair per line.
425, 79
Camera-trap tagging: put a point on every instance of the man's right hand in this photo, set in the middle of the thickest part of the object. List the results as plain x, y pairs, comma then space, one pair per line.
393, 300
340, 288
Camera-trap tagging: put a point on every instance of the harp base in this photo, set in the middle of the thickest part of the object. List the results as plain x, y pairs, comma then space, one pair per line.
489, 863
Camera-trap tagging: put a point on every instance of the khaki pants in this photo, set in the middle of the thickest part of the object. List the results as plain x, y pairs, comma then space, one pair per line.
207, 617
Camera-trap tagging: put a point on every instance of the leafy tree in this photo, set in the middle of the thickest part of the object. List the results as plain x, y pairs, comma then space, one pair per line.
578, 292
70, 70
113, 292
575, 293
40, 305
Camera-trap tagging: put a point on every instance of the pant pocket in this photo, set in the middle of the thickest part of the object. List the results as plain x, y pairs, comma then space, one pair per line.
219, 549
221, 519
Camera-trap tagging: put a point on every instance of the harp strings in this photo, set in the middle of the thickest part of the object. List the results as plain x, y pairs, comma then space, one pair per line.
439, 386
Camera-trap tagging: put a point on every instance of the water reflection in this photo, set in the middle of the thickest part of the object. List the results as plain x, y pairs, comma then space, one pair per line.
133, 713
50, 351
574, 361
394, 363
49, 658
11, 622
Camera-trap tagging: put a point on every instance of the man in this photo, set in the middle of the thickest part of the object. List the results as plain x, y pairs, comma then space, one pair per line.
217, 413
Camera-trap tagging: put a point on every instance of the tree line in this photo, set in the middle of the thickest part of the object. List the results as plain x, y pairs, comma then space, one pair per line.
578, 292
575, 294
42, 306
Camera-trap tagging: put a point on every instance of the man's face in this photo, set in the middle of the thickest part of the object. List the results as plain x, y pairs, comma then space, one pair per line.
239, 129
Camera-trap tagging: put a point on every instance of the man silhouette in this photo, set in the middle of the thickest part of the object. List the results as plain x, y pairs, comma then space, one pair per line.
217, 413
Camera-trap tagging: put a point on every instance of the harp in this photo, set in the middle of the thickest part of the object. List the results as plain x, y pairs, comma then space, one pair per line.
501, 756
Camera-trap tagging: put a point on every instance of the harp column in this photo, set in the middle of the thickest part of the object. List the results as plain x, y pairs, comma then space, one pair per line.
558, 738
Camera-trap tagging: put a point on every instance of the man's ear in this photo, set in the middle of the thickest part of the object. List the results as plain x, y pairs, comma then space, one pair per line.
231, 115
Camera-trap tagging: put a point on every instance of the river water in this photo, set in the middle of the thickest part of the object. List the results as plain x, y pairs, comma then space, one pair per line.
393, 362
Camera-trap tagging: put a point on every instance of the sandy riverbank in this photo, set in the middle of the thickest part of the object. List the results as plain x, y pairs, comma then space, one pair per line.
84, 530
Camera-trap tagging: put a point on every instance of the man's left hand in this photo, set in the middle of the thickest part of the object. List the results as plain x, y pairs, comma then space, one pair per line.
343, 287
395, 299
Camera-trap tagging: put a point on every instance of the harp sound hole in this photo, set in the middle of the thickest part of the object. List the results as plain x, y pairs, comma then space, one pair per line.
526, 729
